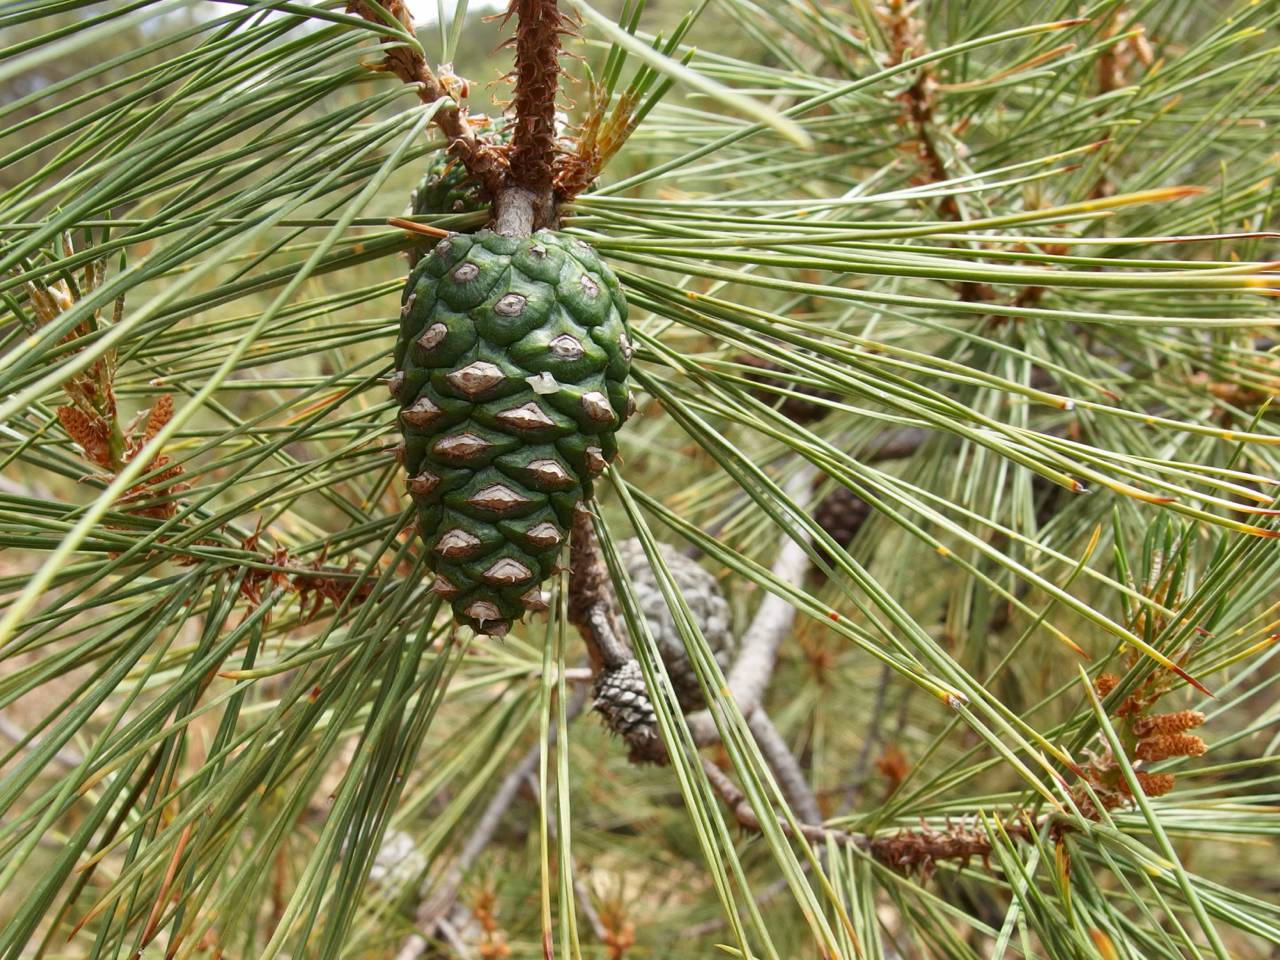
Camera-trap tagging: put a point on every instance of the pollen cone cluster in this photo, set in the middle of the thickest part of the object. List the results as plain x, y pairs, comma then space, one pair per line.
511, 374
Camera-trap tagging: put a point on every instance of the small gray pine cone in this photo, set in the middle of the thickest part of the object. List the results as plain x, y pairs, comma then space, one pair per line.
623, 702
797, 409
707, 604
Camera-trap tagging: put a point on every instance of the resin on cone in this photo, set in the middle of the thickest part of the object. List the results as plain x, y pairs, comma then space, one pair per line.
511, 374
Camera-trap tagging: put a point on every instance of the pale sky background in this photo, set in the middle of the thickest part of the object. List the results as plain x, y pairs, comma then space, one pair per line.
424, 11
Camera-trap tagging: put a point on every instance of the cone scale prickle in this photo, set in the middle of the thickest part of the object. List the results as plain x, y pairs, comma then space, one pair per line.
511, 375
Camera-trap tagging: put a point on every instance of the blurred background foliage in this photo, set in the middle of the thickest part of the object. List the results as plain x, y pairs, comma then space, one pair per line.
1017, 306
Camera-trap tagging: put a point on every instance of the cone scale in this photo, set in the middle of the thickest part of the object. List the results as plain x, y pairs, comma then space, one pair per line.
511, 375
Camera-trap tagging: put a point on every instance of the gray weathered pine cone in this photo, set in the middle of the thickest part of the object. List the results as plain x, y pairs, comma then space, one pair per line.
707, 604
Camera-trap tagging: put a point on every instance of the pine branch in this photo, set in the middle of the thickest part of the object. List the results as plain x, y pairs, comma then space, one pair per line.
791, 777
526, 202
219, 724
593, 607
482, 161
906, 850
906, 29
537, 83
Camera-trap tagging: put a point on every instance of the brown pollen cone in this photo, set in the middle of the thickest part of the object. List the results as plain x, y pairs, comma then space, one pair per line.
796, 408
1155, 784
1162, 724
841, 514
1164, 746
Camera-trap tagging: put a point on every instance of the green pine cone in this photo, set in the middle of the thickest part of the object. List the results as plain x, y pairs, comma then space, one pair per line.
512, 369
446, 187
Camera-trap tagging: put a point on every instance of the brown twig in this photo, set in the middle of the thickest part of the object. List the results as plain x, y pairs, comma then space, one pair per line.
526, 202
906, 850
312, 581
483, 162
1148, 737
525, 179
906, 37
592, 605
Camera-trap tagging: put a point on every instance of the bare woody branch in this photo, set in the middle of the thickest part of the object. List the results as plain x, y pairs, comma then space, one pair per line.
791, 779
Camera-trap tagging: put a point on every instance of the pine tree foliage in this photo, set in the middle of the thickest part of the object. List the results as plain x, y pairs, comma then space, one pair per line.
988, 286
